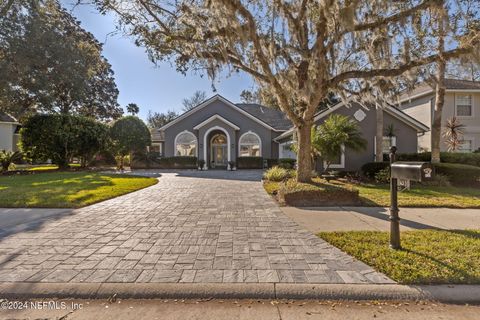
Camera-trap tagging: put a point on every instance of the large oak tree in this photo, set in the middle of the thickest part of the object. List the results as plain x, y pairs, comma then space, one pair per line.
48, 63
299, 50
449, 23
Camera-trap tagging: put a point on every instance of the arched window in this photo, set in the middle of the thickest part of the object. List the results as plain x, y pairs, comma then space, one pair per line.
219, 139
250, 145
186, 144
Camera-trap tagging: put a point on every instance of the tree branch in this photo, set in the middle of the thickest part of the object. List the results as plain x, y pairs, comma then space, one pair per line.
392, 72
7, 7
394, 18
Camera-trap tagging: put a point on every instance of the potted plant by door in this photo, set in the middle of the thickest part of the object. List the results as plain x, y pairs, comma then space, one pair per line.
231, 165
201, 163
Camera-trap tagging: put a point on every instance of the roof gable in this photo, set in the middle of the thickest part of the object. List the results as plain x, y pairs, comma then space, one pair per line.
5, 117
216, 116
451, 85
400, 115
226, 102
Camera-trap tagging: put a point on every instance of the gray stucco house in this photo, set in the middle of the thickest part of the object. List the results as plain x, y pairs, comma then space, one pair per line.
219, 131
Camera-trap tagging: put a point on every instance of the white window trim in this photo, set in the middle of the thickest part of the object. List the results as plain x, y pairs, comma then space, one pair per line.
205, 145
175, 142
472, 107
160, 147
280, 149
340, 165
394, 143
473, 143
240, 144
204, 123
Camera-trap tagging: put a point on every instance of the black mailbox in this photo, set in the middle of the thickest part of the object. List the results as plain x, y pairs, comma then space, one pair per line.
415, 171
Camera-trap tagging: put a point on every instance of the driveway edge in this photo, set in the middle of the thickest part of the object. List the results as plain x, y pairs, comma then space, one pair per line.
443, 293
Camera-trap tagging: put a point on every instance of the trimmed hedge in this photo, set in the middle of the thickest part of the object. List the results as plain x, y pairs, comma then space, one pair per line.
249, 163
167, 163
472, 159
459, 174
286, 163
271, 162
371, 169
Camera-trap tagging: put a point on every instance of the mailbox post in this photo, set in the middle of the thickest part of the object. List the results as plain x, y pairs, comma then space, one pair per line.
394, 218
415, 171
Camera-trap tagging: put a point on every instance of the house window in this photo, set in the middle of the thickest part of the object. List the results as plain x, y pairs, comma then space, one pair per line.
463, 105
466, 146
156, 147
339, 162
387, 143
250, 145
286, 150
186, 144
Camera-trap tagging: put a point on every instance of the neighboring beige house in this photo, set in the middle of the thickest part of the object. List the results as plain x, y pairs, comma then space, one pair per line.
462, 99
9, 132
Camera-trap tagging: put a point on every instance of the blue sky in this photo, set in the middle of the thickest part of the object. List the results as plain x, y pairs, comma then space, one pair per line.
157, 88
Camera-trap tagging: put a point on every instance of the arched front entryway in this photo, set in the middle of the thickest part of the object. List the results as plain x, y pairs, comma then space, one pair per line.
216, 150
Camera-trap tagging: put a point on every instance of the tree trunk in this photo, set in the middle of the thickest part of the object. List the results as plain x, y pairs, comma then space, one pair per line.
437, 112
439, 91
63, 164
379, 135
304, 159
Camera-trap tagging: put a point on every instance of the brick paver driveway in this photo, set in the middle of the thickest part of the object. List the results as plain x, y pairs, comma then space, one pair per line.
213, 226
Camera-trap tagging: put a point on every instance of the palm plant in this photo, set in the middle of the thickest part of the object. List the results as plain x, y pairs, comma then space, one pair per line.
337, 132
453, 134
8, 157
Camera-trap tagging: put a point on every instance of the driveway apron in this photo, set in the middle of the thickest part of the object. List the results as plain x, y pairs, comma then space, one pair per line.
196, 227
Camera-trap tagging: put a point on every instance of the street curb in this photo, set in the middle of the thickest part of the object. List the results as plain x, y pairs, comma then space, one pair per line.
442, 293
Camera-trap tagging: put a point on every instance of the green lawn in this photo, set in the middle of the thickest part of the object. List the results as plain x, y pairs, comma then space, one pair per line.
427, 257
66, 189
421, 196
417, 196
41, 167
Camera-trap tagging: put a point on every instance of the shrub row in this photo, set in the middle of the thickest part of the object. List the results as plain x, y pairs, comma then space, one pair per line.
165, 163
459, 174
472, 159
258, 163
249, 163
371, 169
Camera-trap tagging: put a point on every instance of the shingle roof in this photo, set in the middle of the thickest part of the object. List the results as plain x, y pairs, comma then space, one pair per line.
157, 135
4, 117
273, 117
462, 84
450, 84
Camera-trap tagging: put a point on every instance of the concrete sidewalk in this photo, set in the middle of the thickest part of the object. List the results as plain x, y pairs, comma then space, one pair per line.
15, 291
245, 309
376, 218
